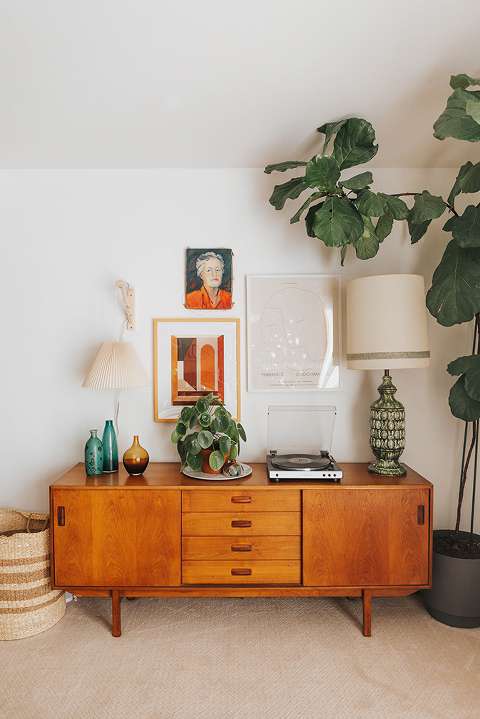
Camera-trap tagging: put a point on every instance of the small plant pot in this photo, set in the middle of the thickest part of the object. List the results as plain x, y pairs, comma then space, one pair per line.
206, 469
454, 598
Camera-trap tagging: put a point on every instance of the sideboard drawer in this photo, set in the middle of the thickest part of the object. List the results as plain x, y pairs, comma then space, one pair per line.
241, 548
241, 500
241, 572
228, 524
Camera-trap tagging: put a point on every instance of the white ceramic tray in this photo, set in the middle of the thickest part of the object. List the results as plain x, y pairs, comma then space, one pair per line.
246, 470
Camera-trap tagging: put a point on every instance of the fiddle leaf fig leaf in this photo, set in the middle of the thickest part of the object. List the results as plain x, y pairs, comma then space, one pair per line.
470, 180
466, 228
282, 166
358, 182
368, 203
367, 245
454, 296
310, 218
426, 207
454, 120
472, 108
354, 143
288, 191
394, 206
323, 173
417, 231
384, 227
461, 404
329, 130
343, 252
337, 222
463, 81
299, 213
456, 189
462, 364
472, 380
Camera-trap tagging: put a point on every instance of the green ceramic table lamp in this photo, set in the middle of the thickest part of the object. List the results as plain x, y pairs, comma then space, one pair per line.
387, 327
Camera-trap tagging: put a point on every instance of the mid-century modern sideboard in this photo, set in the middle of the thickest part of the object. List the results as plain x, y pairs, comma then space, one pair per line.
165, 535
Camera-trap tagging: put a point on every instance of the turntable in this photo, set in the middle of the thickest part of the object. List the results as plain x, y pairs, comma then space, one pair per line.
299, 441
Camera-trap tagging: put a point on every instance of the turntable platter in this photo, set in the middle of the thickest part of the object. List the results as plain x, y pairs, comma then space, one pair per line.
305, 462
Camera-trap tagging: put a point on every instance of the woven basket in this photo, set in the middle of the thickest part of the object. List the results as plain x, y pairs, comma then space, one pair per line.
28, 606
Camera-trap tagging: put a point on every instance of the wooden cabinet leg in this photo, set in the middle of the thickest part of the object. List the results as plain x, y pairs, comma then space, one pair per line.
367, 612
116, 617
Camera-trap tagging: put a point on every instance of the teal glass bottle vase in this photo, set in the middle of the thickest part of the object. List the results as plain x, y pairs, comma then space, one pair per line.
110, 448
93, 455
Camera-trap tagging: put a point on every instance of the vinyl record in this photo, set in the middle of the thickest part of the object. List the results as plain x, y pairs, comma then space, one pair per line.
300, 461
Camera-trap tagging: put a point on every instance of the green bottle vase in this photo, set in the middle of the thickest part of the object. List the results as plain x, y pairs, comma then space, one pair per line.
110, 448
93, 455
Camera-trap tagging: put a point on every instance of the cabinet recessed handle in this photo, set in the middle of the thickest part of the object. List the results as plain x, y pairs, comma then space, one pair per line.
241, 572
241, 547
421, 514
241, 500
61, 516
241, 523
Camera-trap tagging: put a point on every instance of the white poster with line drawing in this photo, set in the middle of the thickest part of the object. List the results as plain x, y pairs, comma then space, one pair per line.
293, 332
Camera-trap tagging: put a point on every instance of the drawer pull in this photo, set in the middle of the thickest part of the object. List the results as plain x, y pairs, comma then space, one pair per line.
241, 523
241, 572
61, 516
241, 547
421, 514
241, 500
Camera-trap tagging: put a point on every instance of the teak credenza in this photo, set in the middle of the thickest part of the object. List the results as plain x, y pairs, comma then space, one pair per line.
165, 535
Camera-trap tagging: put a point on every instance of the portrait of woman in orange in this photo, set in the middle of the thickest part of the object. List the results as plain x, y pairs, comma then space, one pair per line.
208, 279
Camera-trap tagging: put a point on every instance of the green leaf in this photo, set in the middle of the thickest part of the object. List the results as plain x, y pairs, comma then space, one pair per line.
368, 203
472, 380
394, 206
216, 460
282, 166
358, 182
384, 227
202, 405
232, 431
233, 452
463, 81
462, 364
205, 419
310, 219
418, 231
454, 296
194, 461
354, 143
454, 120
426, 207
337, 222
191, 443
329, 130
472, 108
466, 228
224, 444
367, 246
312, 198
456, 189
205, 439
175, 436
343, 252
323, 173
185, 414
288, 191
221, 423
461, 404
241, 432
470, 180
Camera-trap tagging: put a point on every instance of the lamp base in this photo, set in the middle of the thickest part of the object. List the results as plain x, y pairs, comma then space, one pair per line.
387, 431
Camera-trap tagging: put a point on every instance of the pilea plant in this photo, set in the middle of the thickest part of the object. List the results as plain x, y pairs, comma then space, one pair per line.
207, 425
342, 212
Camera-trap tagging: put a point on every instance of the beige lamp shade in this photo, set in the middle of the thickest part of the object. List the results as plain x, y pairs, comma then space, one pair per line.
116, 366
387, 323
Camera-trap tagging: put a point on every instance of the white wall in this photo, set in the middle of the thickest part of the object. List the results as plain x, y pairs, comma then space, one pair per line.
68, 235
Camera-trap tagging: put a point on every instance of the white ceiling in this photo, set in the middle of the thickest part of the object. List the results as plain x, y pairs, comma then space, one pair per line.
226, 83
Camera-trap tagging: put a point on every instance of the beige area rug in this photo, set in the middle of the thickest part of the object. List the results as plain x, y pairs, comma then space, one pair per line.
233, 658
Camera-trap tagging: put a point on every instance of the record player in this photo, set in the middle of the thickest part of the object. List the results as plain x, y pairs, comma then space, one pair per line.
299, 443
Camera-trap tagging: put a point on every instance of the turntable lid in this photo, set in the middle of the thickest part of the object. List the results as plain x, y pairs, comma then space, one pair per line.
300, 428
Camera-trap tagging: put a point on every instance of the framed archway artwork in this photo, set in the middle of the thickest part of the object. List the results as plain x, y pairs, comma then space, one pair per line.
193, 357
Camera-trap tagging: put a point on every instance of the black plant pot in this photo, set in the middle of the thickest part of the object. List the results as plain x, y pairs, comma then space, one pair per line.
454, 598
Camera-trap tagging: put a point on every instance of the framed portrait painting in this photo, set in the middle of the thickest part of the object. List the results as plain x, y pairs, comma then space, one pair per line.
193, 357
293, 332
208, 279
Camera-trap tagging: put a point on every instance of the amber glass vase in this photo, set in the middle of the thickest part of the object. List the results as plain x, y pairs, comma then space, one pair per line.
135, 459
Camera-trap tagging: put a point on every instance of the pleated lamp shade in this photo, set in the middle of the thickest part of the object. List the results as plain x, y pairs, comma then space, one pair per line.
116, 366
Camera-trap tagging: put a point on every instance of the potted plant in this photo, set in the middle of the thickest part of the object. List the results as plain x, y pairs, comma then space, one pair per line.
206, 435
454, 298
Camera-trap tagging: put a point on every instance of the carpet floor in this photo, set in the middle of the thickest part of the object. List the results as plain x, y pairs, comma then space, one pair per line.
275, 658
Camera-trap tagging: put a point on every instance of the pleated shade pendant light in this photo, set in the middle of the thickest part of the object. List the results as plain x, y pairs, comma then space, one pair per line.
116, 366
